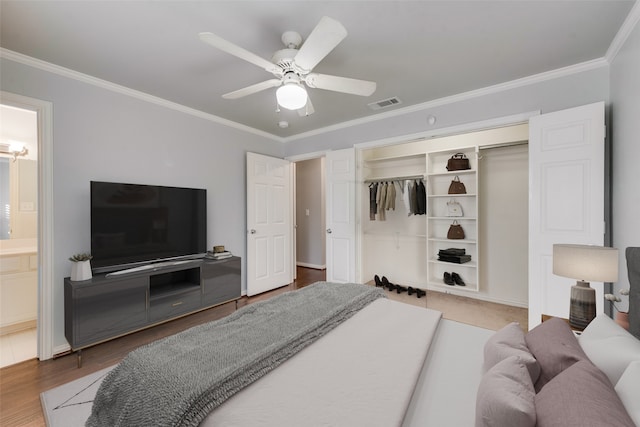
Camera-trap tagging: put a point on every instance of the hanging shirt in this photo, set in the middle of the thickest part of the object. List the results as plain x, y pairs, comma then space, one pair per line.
390, 200
404, 189
381, 200
413, 197
373, 206
421, 199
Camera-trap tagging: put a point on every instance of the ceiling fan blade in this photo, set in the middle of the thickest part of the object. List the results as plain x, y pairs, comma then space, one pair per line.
340, 84
249, 90
235, 50
307, 110
322, 40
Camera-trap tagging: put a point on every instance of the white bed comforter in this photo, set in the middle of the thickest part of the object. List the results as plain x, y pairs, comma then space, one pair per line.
363, 373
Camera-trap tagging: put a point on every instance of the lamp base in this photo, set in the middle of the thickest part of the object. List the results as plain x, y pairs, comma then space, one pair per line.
583, 305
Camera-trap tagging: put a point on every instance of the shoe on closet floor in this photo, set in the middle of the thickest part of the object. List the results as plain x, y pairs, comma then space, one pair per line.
387, 284
379, 283
448, 279
457, 279
400, 289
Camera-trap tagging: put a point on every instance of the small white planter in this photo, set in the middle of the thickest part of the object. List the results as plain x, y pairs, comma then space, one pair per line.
81, 270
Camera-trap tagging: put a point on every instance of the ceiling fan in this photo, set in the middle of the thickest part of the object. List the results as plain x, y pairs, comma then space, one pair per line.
293, 66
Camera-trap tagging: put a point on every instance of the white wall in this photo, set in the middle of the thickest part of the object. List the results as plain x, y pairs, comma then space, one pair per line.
103, 135
625, 136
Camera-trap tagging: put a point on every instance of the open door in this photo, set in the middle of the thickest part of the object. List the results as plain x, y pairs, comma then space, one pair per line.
340, 215
566, 201
269, 223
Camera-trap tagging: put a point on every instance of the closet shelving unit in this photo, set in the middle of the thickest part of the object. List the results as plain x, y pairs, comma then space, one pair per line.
438, 181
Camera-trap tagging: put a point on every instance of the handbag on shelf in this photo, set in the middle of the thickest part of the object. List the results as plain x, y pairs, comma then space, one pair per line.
457, 187
458, 162
454, 208
455, 231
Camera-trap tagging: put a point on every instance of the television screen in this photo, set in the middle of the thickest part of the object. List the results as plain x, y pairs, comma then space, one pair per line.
135, 224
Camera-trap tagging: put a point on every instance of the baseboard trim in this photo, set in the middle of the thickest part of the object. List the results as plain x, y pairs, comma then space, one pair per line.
18, 326
314, 266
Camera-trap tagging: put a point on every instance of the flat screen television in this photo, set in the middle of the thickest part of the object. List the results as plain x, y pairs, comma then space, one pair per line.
133, 225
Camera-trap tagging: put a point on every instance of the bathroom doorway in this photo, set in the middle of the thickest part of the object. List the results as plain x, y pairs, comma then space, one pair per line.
18, 234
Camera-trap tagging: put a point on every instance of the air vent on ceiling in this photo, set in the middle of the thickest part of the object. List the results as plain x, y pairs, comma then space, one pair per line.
385, 103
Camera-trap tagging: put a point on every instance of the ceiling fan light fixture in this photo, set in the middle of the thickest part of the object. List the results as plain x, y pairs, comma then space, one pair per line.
291, 96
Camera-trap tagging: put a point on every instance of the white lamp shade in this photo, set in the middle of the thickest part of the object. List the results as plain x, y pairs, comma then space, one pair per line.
586, 263
291, 96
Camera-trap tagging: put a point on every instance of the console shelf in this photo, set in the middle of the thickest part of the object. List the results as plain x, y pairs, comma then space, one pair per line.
104, 308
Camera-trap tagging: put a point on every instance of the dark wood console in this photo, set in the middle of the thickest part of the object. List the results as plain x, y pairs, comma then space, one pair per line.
104, 308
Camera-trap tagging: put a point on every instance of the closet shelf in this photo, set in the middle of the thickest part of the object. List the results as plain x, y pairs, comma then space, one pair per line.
451, 195
394, 178
451, 218
439, 284
447, 173
470, 264
452, 241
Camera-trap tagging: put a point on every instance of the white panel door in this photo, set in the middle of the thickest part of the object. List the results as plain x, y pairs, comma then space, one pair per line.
566, 203
340, 215
268, 223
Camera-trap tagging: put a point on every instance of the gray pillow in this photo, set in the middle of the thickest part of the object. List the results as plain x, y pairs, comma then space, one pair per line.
506, 396
509, 341
555, 347
580, 396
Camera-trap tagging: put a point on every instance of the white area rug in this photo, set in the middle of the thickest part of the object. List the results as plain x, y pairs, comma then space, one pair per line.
70, 404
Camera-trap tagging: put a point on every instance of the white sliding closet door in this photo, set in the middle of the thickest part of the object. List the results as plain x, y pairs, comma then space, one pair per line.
340, 215
566, 184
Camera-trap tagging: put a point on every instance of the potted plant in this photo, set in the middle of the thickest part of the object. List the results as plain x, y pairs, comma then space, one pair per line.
81, 267
622, 317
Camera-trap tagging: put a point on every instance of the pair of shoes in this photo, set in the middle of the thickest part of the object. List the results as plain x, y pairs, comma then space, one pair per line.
387, 284
448, 280
379, 283
457, 279
419, 292
453, 279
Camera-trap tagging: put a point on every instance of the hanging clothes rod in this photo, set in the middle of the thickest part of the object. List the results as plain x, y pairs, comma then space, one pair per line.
393, 178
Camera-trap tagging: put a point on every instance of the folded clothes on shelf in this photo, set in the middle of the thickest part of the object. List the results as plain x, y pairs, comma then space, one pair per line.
458, 259
452, 251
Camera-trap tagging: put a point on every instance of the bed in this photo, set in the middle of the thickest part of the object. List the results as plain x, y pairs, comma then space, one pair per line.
392, 364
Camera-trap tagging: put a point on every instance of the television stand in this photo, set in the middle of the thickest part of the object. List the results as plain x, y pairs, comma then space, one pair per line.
109, 306
154, 266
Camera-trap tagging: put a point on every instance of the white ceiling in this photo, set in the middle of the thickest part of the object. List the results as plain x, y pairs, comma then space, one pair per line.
418, 51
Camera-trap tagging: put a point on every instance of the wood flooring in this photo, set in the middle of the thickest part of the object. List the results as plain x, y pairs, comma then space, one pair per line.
21, 384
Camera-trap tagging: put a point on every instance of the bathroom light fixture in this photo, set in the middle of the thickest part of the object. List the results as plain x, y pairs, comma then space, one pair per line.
585, 263
291, 95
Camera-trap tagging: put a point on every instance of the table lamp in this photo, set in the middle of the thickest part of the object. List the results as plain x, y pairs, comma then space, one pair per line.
586, 264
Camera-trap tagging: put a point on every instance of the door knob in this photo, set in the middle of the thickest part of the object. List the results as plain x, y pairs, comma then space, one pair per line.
328, 231
252, 231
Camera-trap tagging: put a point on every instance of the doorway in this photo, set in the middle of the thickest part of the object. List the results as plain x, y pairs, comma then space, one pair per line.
310, 218
18, 234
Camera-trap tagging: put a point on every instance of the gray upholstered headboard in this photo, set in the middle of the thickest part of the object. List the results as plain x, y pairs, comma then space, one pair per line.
633, 267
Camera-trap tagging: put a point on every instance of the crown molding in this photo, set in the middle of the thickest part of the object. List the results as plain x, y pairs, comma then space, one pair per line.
104, 84
623, 33
501, 87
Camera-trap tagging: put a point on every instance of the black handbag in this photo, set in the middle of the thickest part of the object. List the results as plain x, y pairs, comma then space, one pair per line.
455, 231
457, 187
458, 162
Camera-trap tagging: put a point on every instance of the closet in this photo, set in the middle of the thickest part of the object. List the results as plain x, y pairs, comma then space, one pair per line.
407, 248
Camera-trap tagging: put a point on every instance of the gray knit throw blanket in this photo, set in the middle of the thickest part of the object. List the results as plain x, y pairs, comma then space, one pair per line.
178, 380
